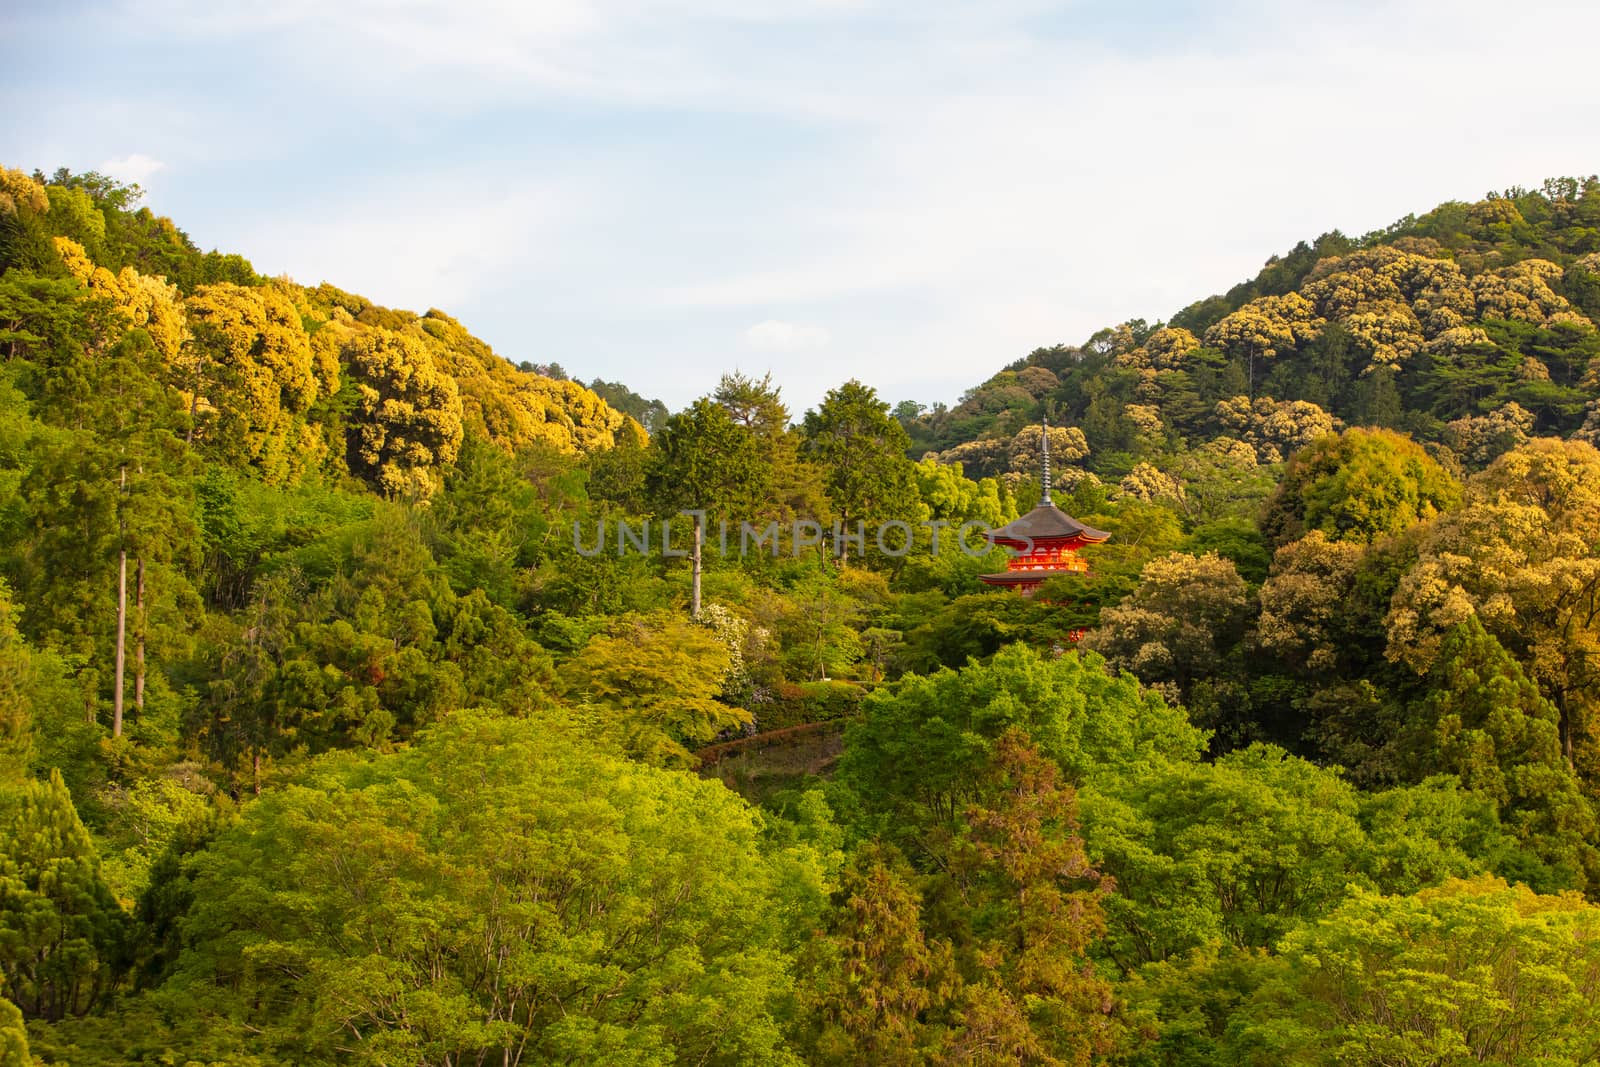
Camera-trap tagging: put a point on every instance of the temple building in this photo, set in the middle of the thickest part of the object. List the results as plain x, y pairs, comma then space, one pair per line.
1045, 541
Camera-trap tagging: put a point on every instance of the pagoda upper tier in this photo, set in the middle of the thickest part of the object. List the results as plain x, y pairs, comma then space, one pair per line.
1047, 523
1046, 540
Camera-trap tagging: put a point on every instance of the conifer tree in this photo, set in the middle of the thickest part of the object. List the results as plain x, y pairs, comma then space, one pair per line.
862, 452
62, 935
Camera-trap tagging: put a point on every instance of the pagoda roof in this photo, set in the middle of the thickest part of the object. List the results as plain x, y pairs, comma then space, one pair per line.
1047, 523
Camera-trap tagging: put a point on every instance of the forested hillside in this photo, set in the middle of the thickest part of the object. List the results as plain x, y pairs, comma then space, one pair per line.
1470, 327
349, 715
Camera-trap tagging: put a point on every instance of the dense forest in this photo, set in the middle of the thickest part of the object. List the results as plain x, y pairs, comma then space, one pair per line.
343, 721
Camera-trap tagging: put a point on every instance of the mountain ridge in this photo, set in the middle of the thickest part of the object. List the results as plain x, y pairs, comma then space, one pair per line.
1470, 327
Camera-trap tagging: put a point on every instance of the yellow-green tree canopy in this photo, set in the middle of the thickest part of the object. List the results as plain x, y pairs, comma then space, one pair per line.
1303, 607
1521, 291
17, 189
1040, 382
1358, 486
514, 408
948, 494
407, 422
1067, 446
1274, 428
1388, 330
1479, 439
74, 214
13, 1037
1441, 297
1473, 971
1267, 327
1165, 349
501, 892
986, 455
1523, 556
652, 686
145, 303
1340, 287
511, 408
251, 378
1180, 622
1150, 484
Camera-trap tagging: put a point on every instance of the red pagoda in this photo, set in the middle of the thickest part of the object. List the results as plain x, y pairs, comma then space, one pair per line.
1045, 541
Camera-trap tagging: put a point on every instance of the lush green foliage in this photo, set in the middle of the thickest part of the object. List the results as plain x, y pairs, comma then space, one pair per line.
499, 888
341, 721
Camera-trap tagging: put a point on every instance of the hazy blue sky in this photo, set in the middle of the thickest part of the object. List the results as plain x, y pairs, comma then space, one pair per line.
911, 193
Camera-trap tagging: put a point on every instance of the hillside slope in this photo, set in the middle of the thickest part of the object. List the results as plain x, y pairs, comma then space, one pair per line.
286, 378
1471, 327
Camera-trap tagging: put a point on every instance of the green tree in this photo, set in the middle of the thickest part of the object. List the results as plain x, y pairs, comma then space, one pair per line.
617, 476
407, 422
704, 460
49, 321
67, 571
1358, 486
18, 678
875, 977
1487, 723
1472, 972
1235, 852
500, 892
1236, 539
1523, 557
992, 965
752, 403
1220, 480
63, 937
243, 719
1180, 629
793, 482
1033, 911
820, 629
862, 452
652, 685
978, 625
916, 755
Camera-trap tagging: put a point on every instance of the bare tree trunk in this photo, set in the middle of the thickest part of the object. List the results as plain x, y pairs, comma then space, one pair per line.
122, 628
140, 624
694, 595
255, 767
1564, 727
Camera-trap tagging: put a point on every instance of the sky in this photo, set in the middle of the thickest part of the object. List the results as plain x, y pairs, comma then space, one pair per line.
913, 194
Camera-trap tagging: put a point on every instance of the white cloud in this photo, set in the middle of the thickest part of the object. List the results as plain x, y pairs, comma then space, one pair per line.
775, 335
947, 185
1072, 187
136, 168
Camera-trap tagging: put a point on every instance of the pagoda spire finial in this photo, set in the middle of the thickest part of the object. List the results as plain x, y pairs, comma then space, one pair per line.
1044, 438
